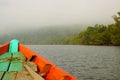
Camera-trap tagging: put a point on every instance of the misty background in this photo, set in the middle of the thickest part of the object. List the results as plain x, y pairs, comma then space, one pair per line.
30, 16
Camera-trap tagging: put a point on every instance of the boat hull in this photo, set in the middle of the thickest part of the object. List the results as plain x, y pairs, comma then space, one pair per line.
55, 73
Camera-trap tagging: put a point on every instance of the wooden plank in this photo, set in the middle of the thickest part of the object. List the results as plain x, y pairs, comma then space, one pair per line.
4, 61
9, 76
24, 75
20, 75
16, 66
4, 65
5, 55
1, 75
18, 55
17, 62
32, 65
33, 74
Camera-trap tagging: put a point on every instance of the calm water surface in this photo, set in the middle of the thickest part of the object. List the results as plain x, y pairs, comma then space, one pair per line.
84, 62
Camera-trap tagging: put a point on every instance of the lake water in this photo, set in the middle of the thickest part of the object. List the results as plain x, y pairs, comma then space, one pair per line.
84, 62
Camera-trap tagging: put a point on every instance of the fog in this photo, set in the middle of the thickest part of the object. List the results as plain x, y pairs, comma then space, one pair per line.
26, 14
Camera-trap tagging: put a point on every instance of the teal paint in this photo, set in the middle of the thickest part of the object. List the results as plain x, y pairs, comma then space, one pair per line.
11, 62
5, 61
13, 46
17, 62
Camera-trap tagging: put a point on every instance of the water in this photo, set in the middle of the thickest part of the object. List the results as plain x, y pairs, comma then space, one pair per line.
84, 62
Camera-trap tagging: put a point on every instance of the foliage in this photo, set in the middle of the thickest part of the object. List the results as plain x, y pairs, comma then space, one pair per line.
100, 34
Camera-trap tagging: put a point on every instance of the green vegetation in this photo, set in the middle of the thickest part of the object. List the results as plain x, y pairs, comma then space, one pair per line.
100, 34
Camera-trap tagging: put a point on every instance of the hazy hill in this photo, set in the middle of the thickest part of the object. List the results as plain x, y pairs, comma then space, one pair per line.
46, 35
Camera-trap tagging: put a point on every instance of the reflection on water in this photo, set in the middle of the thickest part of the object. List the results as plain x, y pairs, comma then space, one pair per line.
84, 62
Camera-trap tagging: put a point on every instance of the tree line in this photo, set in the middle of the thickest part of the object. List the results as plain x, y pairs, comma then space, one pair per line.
99, 34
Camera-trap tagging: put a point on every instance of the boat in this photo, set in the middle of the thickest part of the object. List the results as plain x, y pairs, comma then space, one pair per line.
17, 62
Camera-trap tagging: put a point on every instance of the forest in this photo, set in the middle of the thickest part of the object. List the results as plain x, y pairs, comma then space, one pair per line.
100, 34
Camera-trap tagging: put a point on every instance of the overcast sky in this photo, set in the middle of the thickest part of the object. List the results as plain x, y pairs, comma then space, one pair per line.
20, 14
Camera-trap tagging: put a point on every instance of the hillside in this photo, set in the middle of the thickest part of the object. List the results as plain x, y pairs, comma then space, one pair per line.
46, 35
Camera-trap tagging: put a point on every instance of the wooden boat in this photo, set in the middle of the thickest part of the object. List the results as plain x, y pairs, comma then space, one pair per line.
14, 57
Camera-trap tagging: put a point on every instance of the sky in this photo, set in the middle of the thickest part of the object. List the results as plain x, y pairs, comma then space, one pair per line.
25, 14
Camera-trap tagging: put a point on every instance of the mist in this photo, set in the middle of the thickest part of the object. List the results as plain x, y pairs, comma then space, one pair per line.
29, 14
